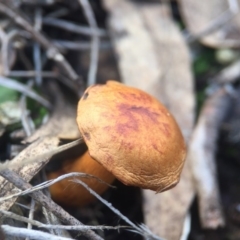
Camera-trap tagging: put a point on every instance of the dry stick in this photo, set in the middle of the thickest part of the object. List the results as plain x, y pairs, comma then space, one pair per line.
31, 214
39, 2
5, 40
29, 74
49, 183
36, 47
54, 227
202, 154
4, 51
229, 74
94, 43
51, 218
32, 234
39, 197
141, 229
8, 163
72, 27
186, 227
9, 83
52, 51
69, 45
62, 12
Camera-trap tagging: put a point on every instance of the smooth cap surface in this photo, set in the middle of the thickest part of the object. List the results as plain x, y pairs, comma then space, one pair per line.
132, 135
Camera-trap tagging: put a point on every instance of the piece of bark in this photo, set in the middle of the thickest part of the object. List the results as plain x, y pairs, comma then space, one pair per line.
233, 123
222, 16
152, 56
229, 74
61, 124
201, 152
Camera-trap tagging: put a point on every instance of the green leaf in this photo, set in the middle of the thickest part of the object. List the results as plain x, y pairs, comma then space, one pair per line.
7, 94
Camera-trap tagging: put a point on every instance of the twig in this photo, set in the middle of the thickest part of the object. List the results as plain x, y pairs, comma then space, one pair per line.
31, 214
4, 51
201, 153
39, 197
229, 74
48, 154
5, 40
39, 2
148, 234
186, 227
69, 45
94, 42
49, 226
52, 51
29, 74
9, 83
32, 234
47, 217
138, 229
36, 47
50, 218
51, 182
72, 27
58, 13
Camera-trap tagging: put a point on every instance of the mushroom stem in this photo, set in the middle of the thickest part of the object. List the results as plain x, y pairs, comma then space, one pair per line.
69, 193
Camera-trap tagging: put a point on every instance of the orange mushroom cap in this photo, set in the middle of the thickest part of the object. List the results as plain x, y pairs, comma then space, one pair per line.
72, 194
132, 135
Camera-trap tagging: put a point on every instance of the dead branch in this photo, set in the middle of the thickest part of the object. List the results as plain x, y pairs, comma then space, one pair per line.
147, 234
228, 75
52, 51
36, 47
51, 227
34, 159
202, 149
31, 215
29, 74
29, 233
9, 83
42, 199
94, 43
51, 182
72, 27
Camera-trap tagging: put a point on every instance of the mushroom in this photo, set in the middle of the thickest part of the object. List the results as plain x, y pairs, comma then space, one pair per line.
132, 135
73, 194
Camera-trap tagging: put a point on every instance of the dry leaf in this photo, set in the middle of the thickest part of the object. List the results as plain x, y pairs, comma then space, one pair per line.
153, 56
62, 123
202, 156
200, 15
